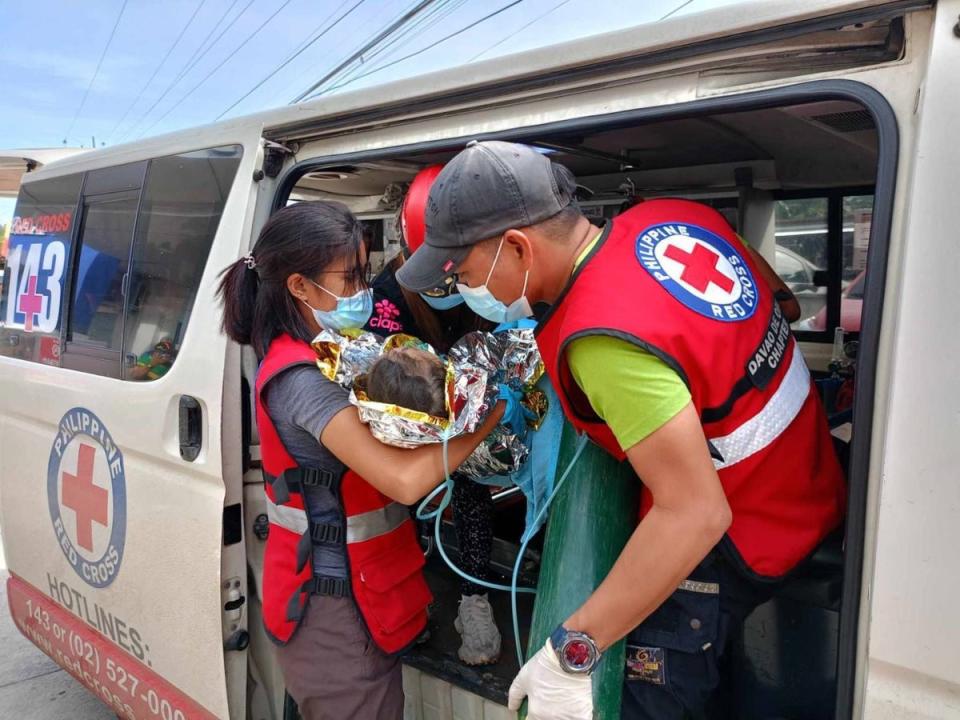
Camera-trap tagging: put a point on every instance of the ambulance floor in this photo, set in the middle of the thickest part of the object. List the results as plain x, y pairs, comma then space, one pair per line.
32, 685
437, 657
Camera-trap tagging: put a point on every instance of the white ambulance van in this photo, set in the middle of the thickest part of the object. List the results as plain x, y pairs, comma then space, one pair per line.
132, 505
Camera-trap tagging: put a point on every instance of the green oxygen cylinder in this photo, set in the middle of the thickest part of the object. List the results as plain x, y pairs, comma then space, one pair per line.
590, 521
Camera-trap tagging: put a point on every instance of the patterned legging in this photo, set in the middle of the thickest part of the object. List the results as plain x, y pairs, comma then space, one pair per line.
473, 521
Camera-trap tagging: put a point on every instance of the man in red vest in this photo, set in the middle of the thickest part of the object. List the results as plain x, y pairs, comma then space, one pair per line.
669, 350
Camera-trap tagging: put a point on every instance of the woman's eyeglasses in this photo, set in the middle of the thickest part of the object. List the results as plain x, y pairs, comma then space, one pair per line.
362, 275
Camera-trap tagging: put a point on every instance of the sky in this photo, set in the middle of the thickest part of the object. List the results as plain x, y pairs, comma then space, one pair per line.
114, 71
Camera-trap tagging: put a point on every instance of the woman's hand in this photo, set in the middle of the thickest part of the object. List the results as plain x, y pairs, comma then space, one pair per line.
402, 474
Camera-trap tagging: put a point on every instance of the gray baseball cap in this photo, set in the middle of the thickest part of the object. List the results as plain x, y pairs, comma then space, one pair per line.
487, 189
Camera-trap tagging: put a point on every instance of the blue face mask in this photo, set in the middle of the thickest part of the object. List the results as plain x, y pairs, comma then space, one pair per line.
484, 304
351, 312
445, 302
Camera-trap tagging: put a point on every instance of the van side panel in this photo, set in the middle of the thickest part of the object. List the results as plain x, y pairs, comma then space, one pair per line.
914, 662
90, 462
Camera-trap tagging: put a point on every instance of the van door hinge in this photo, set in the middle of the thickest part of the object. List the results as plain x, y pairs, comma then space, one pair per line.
273, 155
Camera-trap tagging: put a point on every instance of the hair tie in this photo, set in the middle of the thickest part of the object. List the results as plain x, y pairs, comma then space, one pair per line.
249, 261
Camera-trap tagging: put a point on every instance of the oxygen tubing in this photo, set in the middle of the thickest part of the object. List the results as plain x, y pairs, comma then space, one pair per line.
447, 488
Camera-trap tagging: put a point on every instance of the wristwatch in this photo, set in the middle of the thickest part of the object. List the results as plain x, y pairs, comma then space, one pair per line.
577, 651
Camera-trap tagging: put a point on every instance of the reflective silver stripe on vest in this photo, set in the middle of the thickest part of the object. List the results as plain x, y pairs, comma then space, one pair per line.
364, 526
775, 417
291, 518
375, 523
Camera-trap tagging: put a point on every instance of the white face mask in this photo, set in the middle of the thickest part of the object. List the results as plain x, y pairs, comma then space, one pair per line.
484, 304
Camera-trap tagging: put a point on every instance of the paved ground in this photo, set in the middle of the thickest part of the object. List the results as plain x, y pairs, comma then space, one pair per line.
32, 686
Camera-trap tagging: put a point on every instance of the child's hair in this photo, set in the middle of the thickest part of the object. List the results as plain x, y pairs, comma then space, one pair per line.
411, 378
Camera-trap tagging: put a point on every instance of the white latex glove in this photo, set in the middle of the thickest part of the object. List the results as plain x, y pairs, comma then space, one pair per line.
553, 693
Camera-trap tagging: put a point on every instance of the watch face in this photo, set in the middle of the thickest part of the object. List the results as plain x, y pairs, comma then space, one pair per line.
577, 653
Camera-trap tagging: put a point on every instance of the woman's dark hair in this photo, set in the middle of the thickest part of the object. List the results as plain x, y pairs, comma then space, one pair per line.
305, 238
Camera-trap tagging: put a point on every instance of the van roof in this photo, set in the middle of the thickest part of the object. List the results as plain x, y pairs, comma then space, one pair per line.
740, 20
744, 23
15, 163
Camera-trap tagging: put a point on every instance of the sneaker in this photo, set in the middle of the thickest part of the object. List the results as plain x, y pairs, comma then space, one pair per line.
481, 638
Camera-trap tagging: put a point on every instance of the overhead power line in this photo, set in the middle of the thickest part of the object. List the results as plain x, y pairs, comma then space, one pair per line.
223, 62
424, 49
191, 63
419, 7
404, 37
677, 9
202, 49
518, 31
156, 70
201, 52
297, 53
96, 72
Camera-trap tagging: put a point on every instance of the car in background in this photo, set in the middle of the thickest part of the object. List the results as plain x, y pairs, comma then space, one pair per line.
799, 274
851, 306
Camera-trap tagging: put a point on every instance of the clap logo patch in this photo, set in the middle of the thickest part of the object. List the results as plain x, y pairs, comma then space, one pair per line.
700, 269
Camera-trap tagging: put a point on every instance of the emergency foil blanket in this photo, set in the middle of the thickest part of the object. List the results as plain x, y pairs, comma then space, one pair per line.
476, 365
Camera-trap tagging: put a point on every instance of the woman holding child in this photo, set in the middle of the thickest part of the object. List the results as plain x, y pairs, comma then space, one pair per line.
343, 591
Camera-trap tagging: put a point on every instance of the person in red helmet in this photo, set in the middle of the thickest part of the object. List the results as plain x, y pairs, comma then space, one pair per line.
440, 317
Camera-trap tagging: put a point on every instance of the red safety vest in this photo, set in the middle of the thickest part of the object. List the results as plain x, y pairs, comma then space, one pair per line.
672, 277
384, 558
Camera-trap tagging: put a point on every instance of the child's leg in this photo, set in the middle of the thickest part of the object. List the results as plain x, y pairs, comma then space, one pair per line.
473, 521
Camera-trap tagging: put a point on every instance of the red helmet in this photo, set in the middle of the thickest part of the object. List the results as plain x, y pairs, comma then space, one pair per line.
413, 213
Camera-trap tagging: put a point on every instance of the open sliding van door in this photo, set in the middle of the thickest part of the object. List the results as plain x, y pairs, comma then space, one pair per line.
120, 460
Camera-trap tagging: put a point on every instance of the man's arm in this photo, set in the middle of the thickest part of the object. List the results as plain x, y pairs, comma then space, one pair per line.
689, 516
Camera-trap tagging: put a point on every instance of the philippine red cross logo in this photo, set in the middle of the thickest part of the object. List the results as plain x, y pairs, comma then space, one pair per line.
86, 493
700, 269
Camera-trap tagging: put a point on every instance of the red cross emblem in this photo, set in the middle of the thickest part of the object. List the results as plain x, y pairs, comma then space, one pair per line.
30, 303
700, 268
87, 500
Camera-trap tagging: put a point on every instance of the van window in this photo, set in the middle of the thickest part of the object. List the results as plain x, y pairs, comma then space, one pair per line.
182, 202
96, 312
801, 233
37, 262
140, 252
821, 255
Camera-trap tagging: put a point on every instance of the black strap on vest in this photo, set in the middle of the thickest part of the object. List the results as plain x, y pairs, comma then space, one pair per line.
295, 479
333, 587
326, 534
759, 369
719, 412
304, 551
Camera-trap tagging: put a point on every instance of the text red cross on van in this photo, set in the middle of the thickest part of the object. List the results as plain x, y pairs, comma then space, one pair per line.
87, 500
700, 267
31, 303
